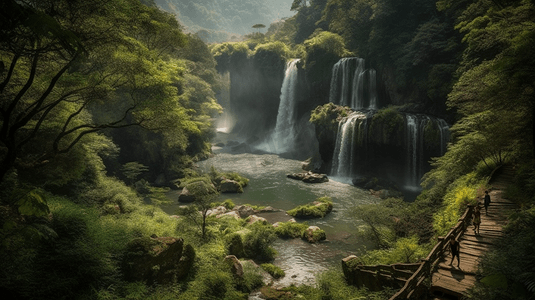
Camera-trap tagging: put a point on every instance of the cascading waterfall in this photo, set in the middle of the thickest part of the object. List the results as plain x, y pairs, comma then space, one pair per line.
284, 135
352, 132
357, 97
358, 88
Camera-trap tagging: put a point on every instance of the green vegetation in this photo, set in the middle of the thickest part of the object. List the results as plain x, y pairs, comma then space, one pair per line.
317, 209
273, 270
290, 230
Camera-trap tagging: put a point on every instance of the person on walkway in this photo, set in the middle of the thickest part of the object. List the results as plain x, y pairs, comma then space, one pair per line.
486, 202
477, 219
455, 249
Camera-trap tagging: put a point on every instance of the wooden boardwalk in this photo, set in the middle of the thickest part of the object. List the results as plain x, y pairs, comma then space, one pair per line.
449, 281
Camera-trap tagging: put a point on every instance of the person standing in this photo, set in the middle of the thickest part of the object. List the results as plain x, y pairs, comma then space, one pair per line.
477, 219
455, 248
486, 202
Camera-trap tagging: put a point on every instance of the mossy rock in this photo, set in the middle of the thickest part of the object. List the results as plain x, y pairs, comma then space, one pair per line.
317, 209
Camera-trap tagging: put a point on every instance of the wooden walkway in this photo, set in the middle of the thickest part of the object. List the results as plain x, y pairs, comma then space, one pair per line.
449, 281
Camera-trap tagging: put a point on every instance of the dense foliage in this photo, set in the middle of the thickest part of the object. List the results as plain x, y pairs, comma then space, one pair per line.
94, 89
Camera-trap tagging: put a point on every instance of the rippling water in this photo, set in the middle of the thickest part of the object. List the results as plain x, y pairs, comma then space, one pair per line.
269, 186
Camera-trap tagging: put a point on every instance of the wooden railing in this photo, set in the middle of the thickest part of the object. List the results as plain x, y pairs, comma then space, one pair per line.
416, 284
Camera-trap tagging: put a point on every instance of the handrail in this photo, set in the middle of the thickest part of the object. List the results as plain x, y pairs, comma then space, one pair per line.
417, 280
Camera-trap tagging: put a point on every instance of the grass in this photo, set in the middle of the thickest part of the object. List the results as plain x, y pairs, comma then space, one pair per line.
273, 270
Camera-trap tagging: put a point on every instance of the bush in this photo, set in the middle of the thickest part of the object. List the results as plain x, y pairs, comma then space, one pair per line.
318, 209
257, 242
273, 270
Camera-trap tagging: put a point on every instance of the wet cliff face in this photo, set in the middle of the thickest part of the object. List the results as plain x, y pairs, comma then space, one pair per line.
255, 85
387, 143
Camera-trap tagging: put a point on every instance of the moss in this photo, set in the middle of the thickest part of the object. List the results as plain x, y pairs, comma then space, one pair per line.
317, 209
290, 229
273, 270
387, 124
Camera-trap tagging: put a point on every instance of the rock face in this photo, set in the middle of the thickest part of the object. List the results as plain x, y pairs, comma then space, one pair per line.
157, 260
309, 177
314, 234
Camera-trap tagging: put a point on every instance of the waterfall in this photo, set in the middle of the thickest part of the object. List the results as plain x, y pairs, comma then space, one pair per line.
352, 132
353, 85
372, 89
358, 85
225, 122
284, 135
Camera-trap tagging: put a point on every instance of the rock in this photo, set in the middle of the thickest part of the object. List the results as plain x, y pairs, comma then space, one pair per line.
157, 260
269, 209
230, 186
220, 145
254, 218
174, 217
235, 265
244, 211
230, 214
309, 177
314, 234
348, 267
185, 196
315, 178
216, 211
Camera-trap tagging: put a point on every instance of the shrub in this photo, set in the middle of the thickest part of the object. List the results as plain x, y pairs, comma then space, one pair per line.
273, 270
257, 242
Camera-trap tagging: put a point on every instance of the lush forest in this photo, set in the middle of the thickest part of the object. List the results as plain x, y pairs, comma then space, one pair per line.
107, 104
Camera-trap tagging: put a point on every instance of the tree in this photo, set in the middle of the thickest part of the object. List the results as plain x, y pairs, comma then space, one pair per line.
65, 61
204, 194
258, 26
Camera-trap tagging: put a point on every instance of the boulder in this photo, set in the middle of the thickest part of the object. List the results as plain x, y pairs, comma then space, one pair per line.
185, 196
314, 234
309, 177
235, 265
244, 211
230, 186
254, 218
216, 211
230, 214
157, 260
269, 209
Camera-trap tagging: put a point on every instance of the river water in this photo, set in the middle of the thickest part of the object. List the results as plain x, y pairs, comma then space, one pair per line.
269, 186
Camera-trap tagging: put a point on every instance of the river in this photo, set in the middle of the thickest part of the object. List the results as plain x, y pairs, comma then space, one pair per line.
269, 186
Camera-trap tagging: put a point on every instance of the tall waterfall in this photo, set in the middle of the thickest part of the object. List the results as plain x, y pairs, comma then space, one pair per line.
284, 135
352, 134
353, 85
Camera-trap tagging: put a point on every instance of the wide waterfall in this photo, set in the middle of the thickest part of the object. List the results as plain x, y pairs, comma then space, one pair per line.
284, 135
363, 148
353, 85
